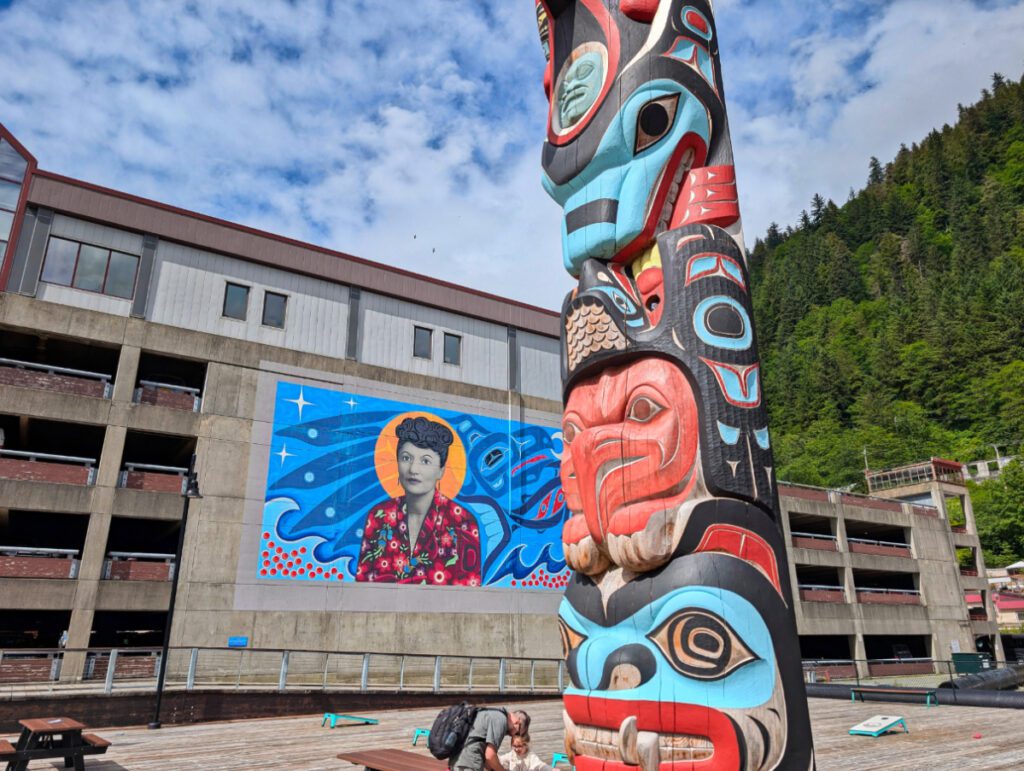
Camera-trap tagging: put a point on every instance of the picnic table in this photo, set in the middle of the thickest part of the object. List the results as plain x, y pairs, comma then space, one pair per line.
51, 737
393, 760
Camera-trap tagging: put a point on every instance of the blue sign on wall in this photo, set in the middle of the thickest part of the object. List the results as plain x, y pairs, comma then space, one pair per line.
341, 506
238, 642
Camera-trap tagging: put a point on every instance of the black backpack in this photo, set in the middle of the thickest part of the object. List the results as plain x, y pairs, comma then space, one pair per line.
451, 727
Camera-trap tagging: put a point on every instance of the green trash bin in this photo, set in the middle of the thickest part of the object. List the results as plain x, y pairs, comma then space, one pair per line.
969, 663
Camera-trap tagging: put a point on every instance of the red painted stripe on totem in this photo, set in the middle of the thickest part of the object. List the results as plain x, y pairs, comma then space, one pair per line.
661, 717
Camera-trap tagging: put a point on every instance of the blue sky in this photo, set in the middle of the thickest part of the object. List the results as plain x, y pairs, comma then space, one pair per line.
410, 132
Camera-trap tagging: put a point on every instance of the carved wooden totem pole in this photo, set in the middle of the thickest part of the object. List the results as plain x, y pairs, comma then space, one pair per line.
678, 626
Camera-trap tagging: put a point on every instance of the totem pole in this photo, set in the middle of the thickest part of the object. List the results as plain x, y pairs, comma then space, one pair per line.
678, 626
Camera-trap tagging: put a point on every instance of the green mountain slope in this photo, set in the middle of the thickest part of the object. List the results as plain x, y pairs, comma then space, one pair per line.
893, 326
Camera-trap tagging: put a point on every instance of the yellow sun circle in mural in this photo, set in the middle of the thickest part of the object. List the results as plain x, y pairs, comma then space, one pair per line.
385, 457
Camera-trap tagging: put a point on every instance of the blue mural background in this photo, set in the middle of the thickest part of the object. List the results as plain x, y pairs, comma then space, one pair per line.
322, 481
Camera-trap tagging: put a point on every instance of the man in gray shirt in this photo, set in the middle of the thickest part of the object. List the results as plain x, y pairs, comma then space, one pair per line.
490, 727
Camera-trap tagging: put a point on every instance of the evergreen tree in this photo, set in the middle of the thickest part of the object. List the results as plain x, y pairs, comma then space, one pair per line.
817, 208
895, 322
875, 174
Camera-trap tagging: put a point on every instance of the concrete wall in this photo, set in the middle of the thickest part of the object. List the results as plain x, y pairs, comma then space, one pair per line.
219, 596
941, 615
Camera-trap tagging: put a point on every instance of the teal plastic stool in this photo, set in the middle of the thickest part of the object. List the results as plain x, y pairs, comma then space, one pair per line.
417, 733
559, 757
333, 718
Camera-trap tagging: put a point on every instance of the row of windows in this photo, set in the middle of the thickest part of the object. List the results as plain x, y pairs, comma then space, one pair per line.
423, 345
236, 305
91, 268
96, 269
12, 172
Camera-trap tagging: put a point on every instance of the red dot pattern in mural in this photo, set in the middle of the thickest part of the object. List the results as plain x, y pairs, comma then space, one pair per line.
278, 562
541, 579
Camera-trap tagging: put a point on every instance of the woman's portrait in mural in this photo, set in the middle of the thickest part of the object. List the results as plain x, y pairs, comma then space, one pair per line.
420, 536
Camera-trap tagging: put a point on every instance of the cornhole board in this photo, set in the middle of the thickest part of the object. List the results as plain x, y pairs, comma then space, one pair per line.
878, 725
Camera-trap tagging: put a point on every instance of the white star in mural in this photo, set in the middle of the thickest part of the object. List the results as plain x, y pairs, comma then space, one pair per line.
300, 402
351, 403
284, 454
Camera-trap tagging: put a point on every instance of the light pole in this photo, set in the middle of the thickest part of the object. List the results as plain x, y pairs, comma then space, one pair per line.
191, 491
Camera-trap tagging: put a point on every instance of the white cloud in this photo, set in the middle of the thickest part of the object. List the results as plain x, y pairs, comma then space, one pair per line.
410, 133
917, 60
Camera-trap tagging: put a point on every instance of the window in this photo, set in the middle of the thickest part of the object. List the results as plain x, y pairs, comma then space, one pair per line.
9, 192
91, 268
421, 338
273, 309
236, 301
12, 172
452, 349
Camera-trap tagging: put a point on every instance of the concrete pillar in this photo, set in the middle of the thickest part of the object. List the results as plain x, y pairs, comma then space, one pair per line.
79, 630
965, 503
860, 654
127, 371
110, 459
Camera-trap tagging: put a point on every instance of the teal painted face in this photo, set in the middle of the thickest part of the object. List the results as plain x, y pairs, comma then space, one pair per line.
579, 88
628, 191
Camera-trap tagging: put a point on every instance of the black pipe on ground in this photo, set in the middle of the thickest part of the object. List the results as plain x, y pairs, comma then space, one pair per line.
950, 696
1007, 678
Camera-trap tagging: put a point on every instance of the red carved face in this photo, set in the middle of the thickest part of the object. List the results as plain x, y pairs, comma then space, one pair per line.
631, 449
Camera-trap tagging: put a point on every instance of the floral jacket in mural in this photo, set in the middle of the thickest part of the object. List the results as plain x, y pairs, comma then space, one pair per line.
447, 549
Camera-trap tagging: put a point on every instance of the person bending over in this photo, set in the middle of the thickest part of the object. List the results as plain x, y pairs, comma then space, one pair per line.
490, 728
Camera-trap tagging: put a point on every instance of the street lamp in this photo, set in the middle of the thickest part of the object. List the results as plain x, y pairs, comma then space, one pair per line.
191, 491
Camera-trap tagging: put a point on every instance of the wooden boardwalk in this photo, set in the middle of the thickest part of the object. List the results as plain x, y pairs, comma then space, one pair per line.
939, 738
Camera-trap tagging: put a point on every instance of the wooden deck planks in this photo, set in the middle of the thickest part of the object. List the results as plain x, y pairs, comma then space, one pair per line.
939, 738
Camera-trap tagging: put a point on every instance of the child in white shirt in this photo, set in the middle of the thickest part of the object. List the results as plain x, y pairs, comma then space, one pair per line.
519, 758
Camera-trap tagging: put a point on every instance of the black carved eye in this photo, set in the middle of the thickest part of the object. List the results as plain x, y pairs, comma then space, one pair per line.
654, 121
571, 639
569, 432
700, 644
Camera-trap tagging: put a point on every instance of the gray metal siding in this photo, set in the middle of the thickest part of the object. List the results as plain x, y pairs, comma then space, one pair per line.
387, 333
188, 291
78, 298
99, 235
539, 373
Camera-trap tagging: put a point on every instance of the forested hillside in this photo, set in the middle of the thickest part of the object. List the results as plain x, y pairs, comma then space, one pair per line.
894, 324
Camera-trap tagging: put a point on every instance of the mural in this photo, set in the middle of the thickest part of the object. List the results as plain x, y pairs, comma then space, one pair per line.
677, 624
371, 490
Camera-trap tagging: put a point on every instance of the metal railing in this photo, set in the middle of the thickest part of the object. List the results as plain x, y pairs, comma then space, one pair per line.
817, 536
68, 560
188, 390
876, 542
35, 551
820, 587
138, 556
883, 590
907, 671
122, 479
53, 370
46, 457
274, 670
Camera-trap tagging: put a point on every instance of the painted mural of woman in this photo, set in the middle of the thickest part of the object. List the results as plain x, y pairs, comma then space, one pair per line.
420, 537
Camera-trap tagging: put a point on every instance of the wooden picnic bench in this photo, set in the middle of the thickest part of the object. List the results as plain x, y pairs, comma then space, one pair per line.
393, 760
928, 693
39, 741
